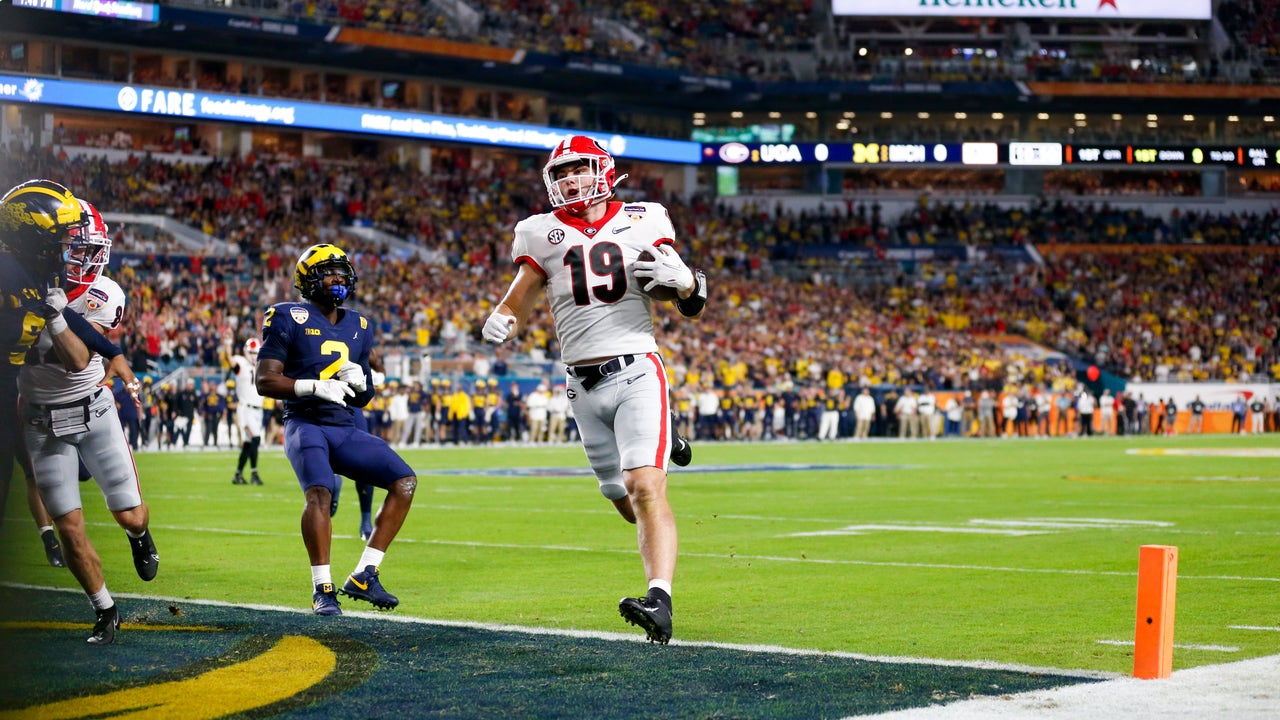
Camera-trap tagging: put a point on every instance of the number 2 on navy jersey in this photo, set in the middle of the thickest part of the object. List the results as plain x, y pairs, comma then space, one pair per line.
334, 347
604, 260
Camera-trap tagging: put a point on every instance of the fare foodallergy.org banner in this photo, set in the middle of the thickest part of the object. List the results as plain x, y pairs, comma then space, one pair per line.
1078, 9
195, 105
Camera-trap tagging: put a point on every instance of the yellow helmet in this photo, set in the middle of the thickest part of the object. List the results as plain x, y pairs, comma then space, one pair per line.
314, 265
36, 218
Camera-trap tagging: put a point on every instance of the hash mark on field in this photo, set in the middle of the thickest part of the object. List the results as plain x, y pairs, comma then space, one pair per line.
1263, 628
720, 556
1013, 528
1211, 648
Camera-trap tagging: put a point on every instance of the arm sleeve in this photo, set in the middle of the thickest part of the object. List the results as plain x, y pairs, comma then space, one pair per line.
92, 339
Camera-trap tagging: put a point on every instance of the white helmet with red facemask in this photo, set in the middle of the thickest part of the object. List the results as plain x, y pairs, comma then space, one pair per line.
88, 253
568, 192
251, 348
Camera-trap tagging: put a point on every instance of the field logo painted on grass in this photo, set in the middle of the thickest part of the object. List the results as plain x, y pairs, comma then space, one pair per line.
288, 669
724, 468
1209, 452
1009, 528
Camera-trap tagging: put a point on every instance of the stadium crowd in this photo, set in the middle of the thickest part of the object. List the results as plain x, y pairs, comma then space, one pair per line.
1205, 310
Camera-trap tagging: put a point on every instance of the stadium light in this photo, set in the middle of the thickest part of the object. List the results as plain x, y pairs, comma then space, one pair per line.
811, 115
1042, 116
961, 115
1117, 117
886, 116
908, 52
862, 52
997, 116
1080, 116
1269, 118
851, 115
1233, 118
736, 114
1189, 118
922, 115
774, 114
1152, 118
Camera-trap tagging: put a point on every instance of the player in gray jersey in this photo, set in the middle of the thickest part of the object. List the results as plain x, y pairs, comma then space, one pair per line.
70, 415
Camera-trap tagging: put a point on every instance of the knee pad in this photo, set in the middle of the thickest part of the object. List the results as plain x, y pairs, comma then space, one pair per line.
613, 490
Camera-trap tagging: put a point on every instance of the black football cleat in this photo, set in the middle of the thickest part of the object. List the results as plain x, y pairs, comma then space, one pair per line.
325, 600
366, 586
681, 450
52, 549
650, 614
104, 630
254, 479
145, 558
237, 479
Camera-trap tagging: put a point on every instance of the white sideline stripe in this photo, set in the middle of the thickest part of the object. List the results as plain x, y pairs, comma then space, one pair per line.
610, 636
721, 556
1263, 628
1214, 648
1242, 690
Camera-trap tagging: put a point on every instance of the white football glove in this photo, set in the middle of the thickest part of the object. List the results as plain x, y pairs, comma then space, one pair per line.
334, 391
353, 375
498, 327
56, 299
665, 269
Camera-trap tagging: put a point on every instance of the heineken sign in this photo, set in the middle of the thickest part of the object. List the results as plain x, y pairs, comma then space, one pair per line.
1074, 9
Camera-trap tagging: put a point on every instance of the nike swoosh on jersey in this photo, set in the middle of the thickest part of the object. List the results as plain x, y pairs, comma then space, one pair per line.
621, 229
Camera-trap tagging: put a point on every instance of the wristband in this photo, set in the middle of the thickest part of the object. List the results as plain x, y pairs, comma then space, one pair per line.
56, 324
692, 306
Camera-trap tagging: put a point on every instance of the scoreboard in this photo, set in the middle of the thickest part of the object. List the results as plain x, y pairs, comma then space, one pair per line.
976, 154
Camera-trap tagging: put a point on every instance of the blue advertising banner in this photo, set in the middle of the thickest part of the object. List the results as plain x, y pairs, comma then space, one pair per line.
118, 9
248, 24
283, 113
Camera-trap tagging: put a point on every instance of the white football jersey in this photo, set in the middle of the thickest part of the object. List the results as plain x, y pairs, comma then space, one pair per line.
246, 377
595, 300
47, 382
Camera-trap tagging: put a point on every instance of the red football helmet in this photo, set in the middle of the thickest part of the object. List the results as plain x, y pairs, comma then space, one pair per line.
574, 150
252, 346
89, 251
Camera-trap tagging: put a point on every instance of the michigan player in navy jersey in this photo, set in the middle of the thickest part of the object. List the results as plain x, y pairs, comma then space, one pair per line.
315, 357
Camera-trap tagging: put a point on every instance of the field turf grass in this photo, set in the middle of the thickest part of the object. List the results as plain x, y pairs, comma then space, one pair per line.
1003, 559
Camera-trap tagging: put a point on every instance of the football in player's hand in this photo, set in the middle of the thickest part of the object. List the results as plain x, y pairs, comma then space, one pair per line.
661, 293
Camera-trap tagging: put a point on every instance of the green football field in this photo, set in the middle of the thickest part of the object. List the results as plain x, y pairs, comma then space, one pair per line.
1014, 552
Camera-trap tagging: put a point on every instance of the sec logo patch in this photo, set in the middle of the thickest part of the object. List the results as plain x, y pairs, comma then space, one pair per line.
555, 237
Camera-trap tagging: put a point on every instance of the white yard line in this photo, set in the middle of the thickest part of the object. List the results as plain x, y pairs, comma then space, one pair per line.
722, 556
599, 635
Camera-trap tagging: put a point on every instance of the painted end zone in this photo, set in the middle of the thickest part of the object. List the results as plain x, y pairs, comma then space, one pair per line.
264, 663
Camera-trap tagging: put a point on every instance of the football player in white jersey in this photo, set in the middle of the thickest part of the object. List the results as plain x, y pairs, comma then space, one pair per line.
65, 414
248, 410
585, 257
